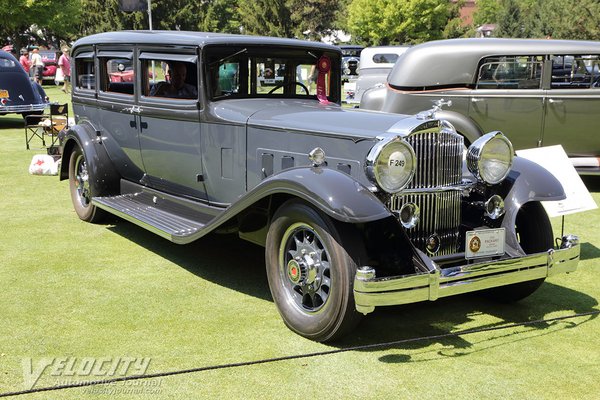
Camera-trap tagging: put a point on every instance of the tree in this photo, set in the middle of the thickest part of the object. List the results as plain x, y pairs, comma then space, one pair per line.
560, 19
385, 22
316, 17
266, 17
289, 18
42, 22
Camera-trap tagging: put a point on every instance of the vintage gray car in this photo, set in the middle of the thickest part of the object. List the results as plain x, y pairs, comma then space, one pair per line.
355, 209
375, 65
538, 92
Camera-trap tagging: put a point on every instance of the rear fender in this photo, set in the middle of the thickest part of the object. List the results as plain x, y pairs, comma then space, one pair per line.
104, 178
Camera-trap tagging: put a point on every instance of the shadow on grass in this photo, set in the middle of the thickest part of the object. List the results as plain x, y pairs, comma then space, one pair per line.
462, 312
12, 122
589, 251
222, 259
591, 182
233, 263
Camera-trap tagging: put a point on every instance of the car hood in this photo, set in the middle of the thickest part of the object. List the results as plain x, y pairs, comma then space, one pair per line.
302, 115
19, 88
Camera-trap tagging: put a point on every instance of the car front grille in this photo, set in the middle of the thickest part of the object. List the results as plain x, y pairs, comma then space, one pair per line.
434, 190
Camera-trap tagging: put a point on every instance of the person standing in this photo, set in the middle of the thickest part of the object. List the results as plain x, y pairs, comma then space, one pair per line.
24, 60
64, 62
37, 66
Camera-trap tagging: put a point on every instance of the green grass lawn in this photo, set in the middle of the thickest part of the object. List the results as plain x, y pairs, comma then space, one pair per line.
73, 289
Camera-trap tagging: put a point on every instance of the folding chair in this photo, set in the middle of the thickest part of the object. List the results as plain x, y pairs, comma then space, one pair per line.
47, 124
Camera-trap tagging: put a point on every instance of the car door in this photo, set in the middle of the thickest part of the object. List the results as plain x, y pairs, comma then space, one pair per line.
509, 97
573, 100
169, 128
116, 102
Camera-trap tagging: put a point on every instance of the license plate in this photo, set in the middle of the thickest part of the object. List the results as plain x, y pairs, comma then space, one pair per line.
4, 93
484, 243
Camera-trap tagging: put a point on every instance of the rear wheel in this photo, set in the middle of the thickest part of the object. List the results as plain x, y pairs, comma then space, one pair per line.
310, 272
535, 235
81, 189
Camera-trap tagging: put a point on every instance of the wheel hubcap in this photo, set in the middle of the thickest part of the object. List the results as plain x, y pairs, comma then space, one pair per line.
306, 271
82, 182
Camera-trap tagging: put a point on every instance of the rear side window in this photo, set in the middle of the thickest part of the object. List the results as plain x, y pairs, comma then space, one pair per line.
85, 76
118, 75
7, 64
513, 72
575, 72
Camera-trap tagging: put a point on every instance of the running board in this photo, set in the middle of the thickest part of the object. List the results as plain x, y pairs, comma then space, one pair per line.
135, 208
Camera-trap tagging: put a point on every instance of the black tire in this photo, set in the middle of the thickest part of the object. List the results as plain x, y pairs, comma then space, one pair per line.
535, 235
311, 273
80, 188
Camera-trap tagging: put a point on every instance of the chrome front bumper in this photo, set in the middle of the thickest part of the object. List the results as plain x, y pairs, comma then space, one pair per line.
370, 292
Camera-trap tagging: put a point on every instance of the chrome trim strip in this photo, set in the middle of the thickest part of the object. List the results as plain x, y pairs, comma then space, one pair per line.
371, 293
23, 108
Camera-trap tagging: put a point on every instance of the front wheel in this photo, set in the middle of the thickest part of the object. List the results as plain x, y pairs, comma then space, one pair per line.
310, 273
534, 232
81, 189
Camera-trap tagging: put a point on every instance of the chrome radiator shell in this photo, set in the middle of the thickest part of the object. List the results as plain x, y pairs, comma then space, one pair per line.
435, 189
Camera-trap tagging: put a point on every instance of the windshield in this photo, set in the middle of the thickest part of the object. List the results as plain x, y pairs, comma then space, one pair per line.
250, 73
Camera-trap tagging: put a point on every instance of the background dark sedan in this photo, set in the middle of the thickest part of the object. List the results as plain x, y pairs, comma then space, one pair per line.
18, 94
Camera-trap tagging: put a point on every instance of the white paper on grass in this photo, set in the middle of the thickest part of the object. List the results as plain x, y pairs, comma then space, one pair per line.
555, 160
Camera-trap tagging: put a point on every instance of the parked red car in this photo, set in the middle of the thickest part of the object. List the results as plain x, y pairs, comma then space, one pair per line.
50, 59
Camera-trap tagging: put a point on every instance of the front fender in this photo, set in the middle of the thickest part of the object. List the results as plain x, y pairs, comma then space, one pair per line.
104, 178
334, 192
530, 182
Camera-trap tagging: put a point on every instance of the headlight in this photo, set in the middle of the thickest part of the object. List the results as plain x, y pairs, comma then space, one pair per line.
391, 164
490, 157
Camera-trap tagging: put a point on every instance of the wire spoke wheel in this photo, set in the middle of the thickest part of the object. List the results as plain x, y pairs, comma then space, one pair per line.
80, 185
304, 262
310, 271
82, 181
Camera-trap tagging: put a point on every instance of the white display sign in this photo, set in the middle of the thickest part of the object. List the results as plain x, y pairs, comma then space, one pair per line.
555, 160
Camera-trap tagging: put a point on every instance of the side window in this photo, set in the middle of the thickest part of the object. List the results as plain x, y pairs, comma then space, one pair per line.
118, 75
385, 58
85, 74
518, 72
172, 79
575, 72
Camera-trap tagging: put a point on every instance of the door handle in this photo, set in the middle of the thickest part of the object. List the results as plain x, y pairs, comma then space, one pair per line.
477, 100
132, 123
554, 101
143, 125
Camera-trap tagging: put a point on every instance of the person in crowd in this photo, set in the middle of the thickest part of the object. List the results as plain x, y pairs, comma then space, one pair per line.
64, 62
24, 60
37, 66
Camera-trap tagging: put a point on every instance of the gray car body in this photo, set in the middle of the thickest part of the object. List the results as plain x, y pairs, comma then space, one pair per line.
544, 116
239, 159
229, 138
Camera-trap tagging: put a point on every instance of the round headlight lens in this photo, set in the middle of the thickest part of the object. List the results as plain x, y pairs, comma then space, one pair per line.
490, 157
392, 165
